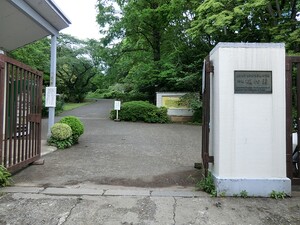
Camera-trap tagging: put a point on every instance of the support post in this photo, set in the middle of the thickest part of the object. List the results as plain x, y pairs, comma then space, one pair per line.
52, 81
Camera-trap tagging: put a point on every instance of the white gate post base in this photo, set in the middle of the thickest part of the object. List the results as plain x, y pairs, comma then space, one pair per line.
254, 187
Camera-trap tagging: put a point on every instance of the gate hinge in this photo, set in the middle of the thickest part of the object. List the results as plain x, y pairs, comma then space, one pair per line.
209, 68
208, 158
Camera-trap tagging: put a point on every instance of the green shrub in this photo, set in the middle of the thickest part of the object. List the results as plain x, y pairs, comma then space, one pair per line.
61, 144
5, 177
192, 100
141, 111
61, 136
124, 96
76, 126
61, 131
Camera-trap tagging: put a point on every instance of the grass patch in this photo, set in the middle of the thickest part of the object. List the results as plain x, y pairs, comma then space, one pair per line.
70, 106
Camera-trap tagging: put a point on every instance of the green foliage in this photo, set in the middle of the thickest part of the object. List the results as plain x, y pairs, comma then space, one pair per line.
247, 21
61, 136
192, 100
37, 56
207, 184
244, 194
277, 195
223, 194
111, 93
61, 144
77, 65
76, 126
147, 48
61, 131
142, 111
71, 106
5, 177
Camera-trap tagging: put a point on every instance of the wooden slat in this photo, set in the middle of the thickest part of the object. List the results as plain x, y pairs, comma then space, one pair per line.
19, 64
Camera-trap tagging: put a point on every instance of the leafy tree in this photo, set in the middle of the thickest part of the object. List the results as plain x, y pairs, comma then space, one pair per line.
248, 21
76, 66
36, 55
147, 44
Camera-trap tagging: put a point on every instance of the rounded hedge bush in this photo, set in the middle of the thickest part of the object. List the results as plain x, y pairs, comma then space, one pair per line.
61, 131
142, 111
76, 126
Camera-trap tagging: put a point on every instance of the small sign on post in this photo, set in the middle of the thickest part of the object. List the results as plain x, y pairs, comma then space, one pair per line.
117, 107
50, 97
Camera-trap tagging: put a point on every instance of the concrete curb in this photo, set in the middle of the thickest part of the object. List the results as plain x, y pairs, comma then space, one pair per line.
103, 192
46, 149
111, 192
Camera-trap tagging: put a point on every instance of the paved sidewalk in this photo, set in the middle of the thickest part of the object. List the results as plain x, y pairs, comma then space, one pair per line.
110, 205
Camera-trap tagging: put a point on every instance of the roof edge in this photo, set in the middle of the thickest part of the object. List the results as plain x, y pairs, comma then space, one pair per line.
59, 11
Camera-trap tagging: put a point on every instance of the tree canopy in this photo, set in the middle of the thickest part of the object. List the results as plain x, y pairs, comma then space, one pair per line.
248, 21
159, 45
150, 48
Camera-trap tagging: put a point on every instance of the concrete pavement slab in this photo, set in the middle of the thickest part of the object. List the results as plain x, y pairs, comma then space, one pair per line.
184, 194
72, 191
46, 149
21, 189
127, 192
36, 209
259, 211
20, 209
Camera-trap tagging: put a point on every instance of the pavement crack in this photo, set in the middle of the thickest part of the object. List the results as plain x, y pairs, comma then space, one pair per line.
174, 210
64, 218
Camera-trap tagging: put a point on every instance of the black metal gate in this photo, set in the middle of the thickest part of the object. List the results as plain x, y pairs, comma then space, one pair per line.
206, 158
292, 122
20, 114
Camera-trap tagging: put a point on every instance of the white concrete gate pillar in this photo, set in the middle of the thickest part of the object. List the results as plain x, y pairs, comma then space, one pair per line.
247, 128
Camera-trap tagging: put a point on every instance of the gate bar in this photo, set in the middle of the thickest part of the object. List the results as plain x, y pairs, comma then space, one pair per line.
289, 120
2, 80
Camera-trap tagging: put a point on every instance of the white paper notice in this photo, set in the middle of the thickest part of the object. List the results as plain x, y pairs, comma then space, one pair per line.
117, 105
50, 97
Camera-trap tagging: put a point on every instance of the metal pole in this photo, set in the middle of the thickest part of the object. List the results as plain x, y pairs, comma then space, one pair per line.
52, 81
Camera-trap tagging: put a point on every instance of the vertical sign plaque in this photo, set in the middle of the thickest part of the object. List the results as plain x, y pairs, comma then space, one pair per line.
50, 97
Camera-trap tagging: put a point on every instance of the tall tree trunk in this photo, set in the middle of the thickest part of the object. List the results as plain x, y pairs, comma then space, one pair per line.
156, 44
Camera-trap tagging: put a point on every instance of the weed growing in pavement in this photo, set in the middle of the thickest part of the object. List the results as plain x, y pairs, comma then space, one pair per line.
207, 184
244, 194
277, 194
223, 194
5, 177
